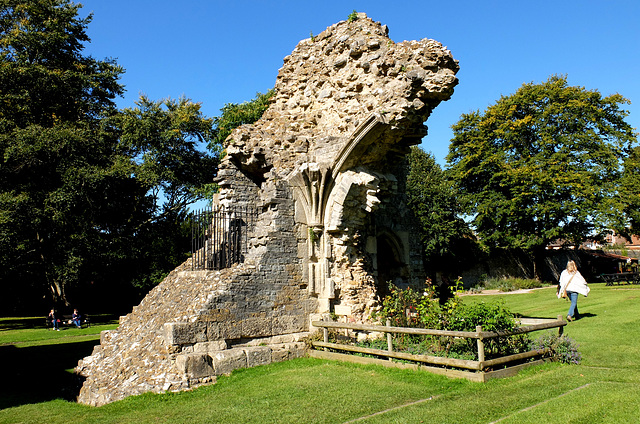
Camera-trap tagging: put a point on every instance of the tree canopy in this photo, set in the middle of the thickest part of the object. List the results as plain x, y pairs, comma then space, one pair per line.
163, 137
90, 196
432, 198
630, 191
542, 164
236, 114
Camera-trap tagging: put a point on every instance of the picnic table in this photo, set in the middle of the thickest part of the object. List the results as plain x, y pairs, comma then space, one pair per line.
620, 278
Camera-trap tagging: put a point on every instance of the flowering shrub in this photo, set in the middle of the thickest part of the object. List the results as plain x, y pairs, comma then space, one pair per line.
422, 309
561, 348
493, 316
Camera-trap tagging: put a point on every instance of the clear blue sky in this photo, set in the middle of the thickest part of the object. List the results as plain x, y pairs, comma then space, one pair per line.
217, 52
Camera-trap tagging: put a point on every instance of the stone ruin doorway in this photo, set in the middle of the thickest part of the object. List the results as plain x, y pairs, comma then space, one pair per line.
391, 263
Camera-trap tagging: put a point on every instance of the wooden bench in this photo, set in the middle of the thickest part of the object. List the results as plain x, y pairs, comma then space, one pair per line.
66, 320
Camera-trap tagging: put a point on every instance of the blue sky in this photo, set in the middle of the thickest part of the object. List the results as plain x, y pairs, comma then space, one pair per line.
218, 52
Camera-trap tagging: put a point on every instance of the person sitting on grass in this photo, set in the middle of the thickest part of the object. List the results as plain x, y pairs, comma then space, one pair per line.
53, 319
76, 318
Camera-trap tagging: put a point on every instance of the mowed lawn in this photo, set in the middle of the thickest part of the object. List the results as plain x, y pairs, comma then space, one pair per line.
605, 388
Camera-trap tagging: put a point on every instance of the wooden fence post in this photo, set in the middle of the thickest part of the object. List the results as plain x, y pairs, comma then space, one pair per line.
561, 328
389, 340
325, 336
480, 344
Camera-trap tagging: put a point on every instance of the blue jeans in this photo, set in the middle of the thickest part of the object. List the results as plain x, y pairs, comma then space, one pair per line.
573, 309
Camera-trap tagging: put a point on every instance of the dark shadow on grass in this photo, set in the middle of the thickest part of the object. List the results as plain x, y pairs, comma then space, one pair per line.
23, 323
37, 374
530, 317
587, 315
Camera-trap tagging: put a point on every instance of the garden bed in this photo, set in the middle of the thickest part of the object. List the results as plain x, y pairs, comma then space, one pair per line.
480, 370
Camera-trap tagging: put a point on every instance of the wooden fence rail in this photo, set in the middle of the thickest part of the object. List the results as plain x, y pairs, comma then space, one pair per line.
478, 367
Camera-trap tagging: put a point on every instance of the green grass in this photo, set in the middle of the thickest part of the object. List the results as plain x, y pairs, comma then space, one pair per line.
603, 389
32, 331
608, 331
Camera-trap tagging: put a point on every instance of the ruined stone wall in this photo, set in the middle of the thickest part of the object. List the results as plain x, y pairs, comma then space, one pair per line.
197, 325
322, 169
348, 104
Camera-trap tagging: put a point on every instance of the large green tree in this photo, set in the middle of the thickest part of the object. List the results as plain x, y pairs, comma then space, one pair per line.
630, 193
433, 199
56, 154
542, 164
89, 196
162, 138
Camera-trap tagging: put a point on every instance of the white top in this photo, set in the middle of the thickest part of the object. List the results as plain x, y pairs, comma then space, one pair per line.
574, 283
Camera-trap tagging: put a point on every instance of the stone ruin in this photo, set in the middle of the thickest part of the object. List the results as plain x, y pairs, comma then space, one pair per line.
324, 167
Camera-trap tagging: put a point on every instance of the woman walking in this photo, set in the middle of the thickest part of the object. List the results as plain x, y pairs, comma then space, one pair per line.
572, 283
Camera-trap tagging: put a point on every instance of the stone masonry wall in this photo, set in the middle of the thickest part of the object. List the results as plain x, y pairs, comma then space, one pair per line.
322, 167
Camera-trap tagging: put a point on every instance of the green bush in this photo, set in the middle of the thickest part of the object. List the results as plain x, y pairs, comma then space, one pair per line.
494, 316
561, 348
422, 309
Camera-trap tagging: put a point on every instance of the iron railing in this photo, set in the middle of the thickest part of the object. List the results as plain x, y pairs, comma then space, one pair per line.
219, 236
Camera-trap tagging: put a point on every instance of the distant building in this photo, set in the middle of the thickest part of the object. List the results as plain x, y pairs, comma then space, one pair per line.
631, 243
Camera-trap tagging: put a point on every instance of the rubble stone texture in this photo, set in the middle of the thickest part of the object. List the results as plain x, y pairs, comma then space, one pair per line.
324, 168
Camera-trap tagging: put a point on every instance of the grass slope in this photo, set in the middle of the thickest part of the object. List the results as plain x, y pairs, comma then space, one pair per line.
603, 389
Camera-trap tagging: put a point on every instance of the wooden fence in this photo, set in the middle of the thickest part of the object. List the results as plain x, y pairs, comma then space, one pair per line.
479, 370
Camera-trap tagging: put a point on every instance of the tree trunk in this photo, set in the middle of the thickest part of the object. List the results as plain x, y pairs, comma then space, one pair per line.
538, 263
57, 293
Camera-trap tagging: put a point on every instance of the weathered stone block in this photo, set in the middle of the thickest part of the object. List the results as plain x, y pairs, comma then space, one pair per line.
184, 333
286, 351
228, 360
195, 365
96, 349
342, 309
224, 330
279, 353
105, 336
289, 324
211, 346
257, 327
278, 340
258, 355
297, 349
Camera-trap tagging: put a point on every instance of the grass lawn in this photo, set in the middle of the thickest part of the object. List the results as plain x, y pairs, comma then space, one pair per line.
603, 389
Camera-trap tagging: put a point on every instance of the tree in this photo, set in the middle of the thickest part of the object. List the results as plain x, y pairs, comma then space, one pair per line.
432, 198
234, 115
55, 152
542, 164
89, 196
162, 138
630, 192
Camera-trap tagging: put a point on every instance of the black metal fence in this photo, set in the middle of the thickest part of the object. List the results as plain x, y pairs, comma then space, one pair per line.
219, 237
